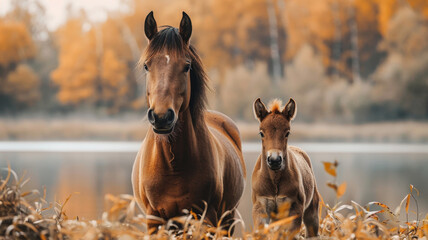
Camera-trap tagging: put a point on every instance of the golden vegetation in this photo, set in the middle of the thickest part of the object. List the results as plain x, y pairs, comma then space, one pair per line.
27, 215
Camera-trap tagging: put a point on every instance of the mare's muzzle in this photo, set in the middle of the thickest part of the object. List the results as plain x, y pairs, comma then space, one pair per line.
162, 124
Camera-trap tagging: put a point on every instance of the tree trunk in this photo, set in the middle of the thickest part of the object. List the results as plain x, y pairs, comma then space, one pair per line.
337, 46
274, 49
355, 64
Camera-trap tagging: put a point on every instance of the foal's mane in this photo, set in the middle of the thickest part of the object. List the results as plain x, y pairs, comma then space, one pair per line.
275, 106
168, 39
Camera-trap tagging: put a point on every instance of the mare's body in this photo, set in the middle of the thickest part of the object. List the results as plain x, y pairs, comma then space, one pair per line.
192, 155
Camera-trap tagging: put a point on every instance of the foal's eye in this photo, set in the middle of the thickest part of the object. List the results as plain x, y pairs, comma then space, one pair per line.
261, 134
187, 68
287, 134
145, 67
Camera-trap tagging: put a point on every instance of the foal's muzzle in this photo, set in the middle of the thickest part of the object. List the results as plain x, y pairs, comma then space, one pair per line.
162, 124
274, 160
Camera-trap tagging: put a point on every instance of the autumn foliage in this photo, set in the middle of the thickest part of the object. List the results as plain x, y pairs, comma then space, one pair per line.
338, 58
19, 83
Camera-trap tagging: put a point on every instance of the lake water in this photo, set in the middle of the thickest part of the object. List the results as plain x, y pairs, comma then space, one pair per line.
89, 170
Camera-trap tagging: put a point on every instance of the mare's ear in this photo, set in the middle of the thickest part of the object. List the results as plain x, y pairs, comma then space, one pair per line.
150, 26
290, 109
185, 28
260, 110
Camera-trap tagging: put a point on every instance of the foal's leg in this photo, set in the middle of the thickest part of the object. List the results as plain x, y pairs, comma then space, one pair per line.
296, 210
310, 217
260, 216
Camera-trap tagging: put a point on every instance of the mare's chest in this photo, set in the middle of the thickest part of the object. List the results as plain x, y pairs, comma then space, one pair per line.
170, 194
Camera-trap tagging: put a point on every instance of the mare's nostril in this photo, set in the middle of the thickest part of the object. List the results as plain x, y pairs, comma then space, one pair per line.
170, 116
151, 116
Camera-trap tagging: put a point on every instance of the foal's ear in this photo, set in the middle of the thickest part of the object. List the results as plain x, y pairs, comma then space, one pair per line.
185, 28
260, 110
150, 26
290, 109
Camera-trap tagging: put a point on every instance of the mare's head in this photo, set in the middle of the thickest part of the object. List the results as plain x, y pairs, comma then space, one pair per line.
175, 80
274, 130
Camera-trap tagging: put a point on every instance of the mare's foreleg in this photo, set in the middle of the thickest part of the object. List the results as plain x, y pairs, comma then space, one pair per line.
153, 219
227, 220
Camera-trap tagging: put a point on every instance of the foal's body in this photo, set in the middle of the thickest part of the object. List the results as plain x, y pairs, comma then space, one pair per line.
283, 173
271, 189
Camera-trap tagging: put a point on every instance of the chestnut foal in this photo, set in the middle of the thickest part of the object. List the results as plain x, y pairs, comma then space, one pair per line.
282, 173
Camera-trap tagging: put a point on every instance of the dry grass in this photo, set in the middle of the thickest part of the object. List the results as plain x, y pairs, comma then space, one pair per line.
131, 129
27, 215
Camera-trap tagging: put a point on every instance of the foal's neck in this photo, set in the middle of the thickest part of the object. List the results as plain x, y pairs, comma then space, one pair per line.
277, 176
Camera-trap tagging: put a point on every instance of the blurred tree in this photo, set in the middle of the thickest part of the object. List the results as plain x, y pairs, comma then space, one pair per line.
76, 75
235, 33
22, 85
16, 44
420, 6
345, 33
96, 64
402, 82
19, 84
32, 14
115, 87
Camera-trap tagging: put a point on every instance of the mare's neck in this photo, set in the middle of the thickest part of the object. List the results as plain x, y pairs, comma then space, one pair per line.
182, 148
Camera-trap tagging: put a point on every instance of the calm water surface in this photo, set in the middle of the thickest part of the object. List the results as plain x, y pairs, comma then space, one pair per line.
89, 170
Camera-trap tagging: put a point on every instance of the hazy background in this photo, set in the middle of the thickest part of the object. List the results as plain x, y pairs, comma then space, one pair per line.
352, 61
358, 70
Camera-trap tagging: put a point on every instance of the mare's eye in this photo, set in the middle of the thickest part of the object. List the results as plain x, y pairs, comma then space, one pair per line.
145, 67
287, 134
187, 68
261, 134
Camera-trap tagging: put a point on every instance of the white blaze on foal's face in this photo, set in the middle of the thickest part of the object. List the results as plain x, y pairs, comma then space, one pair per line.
167, 59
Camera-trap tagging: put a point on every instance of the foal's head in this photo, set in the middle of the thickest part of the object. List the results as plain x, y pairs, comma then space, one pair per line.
274, 130
175, 77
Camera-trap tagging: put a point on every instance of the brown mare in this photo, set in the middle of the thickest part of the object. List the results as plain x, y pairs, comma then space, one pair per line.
190, 155
282, 173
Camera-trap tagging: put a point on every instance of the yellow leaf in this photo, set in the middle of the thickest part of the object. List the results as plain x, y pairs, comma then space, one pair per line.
332, 185
407, 203
330, 168
341, 190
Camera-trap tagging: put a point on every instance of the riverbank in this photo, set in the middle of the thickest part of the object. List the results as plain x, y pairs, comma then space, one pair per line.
131, 129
